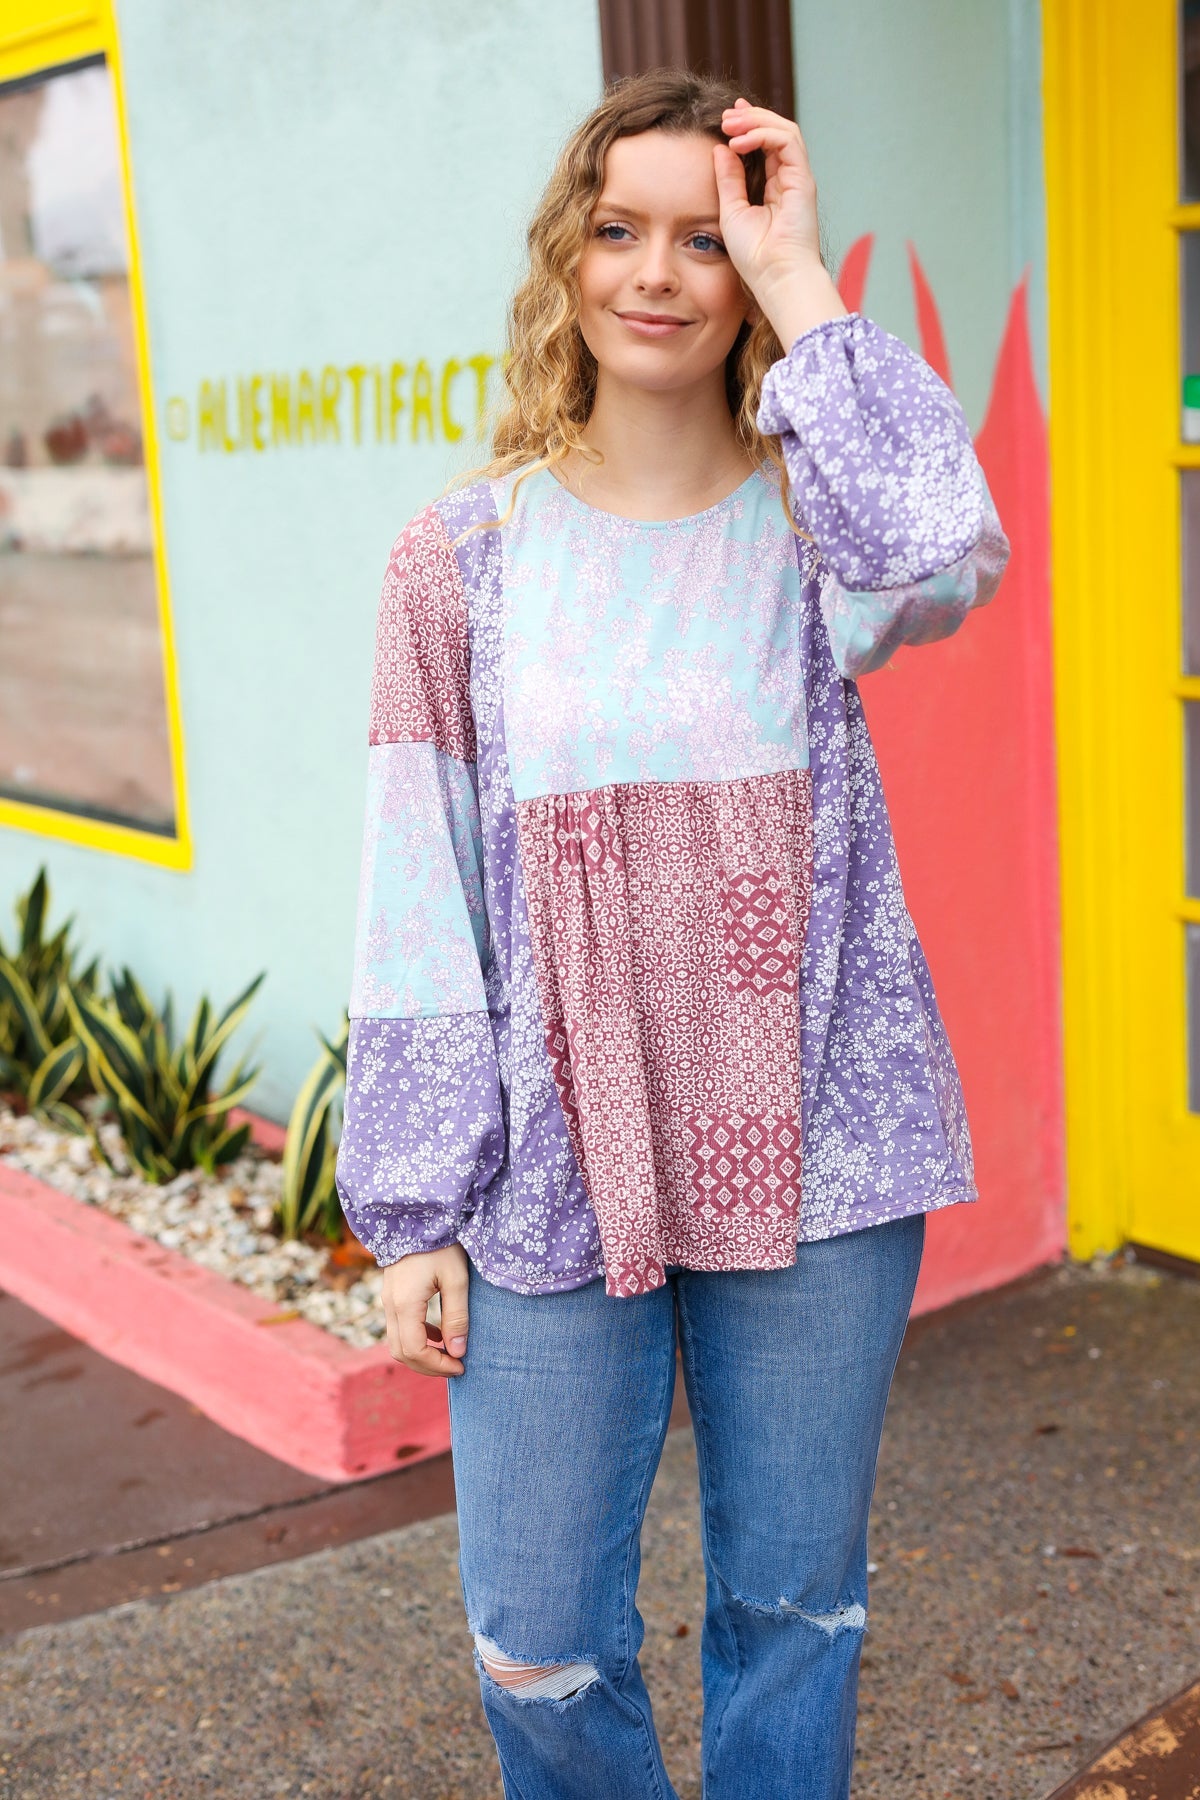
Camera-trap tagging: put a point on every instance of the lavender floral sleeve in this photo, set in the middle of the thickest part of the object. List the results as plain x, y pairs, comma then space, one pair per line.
423, 1127
885, 476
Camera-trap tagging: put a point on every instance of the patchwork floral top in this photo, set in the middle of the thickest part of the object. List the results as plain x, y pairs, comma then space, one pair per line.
635, 984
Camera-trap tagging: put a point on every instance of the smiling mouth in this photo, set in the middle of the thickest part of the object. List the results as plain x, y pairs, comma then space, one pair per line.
653, 324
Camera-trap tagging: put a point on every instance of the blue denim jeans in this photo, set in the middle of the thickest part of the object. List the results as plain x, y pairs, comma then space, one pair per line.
558, 1425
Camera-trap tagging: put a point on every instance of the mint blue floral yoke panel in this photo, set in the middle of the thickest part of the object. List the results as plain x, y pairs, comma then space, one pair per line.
639, 652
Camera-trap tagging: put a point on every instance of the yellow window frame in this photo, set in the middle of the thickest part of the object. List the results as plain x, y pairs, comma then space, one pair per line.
1113, 218
37, 35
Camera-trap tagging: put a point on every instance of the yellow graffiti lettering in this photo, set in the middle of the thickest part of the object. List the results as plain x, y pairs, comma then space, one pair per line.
354, 375
306, 407
268, 411
481, 365
422, 398
395, 376
281, 410
450, 425
331, 393
257, 419
228, 444
208, 436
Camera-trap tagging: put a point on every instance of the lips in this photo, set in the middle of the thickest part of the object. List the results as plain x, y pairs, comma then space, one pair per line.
653, 324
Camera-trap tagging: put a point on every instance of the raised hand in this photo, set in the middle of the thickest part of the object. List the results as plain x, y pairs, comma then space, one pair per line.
775, 247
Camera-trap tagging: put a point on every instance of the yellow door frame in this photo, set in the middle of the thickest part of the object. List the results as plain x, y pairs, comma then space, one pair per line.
43, 34
1113, 218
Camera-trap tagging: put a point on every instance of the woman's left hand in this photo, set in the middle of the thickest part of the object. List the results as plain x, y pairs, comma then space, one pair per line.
775, 247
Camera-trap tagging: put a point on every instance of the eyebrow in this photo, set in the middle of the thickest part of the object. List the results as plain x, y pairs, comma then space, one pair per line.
632, 212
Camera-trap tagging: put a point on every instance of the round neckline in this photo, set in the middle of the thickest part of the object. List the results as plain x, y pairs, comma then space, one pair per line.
656, 524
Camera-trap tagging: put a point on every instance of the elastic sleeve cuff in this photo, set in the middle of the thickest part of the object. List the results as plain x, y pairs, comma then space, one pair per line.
831, 338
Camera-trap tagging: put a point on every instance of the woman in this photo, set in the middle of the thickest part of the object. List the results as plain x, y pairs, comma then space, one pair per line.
643, 1043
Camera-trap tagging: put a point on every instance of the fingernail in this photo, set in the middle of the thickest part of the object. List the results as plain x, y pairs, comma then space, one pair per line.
457, 1346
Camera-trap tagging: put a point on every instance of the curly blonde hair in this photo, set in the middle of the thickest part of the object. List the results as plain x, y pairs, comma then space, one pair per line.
549, 371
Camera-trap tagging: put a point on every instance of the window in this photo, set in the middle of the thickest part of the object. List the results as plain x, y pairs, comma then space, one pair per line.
83, 713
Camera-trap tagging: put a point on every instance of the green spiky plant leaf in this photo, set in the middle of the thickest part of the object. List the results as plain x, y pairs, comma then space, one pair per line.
40, 1056
309, 1199
173, 1115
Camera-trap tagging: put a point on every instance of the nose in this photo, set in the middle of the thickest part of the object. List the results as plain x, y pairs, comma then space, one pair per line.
656, 272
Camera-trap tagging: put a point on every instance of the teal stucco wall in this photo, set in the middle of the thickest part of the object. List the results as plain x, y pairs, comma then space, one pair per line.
344, 186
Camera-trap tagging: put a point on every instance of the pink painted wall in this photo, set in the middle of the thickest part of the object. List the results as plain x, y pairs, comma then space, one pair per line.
965, 737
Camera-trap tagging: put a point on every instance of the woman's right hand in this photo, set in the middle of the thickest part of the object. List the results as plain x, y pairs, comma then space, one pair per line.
408, 1287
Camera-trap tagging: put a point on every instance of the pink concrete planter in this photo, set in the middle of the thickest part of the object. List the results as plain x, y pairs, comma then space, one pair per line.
295, 1391
266, 1134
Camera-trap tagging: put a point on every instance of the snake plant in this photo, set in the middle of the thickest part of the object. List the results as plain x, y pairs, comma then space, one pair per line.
172, 1115
309, 1199
41, 1057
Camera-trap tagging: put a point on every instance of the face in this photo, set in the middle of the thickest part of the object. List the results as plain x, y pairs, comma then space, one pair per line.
660, 303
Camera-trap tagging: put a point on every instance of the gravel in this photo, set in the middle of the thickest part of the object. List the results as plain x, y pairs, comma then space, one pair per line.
222, 1222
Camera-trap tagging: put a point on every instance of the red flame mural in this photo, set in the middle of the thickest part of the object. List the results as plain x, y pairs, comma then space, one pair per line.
965, 736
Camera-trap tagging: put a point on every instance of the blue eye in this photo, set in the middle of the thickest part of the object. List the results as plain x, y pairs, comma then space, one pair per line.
604, 230
704, 240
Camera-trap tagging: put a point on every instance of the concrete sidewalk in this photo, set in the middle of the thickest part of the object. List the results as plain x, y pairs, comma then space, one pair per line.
115, 1488
1036, 1529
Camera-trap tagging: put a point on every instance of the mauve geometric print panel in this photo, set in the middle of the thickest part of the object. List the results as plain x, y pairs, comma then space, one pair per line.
667, 922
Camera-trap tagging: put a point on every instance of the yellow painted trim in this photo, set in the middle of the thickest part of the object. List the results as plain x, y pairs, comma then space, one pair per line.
1080, 552
1113, 217
74, 828
182, 843
38, 35
34, 35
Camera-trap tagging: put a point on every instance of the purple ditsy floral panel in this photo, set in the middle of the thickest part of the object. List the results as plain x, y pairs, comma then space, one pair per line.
423, 1127
885, 477
885, 1129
